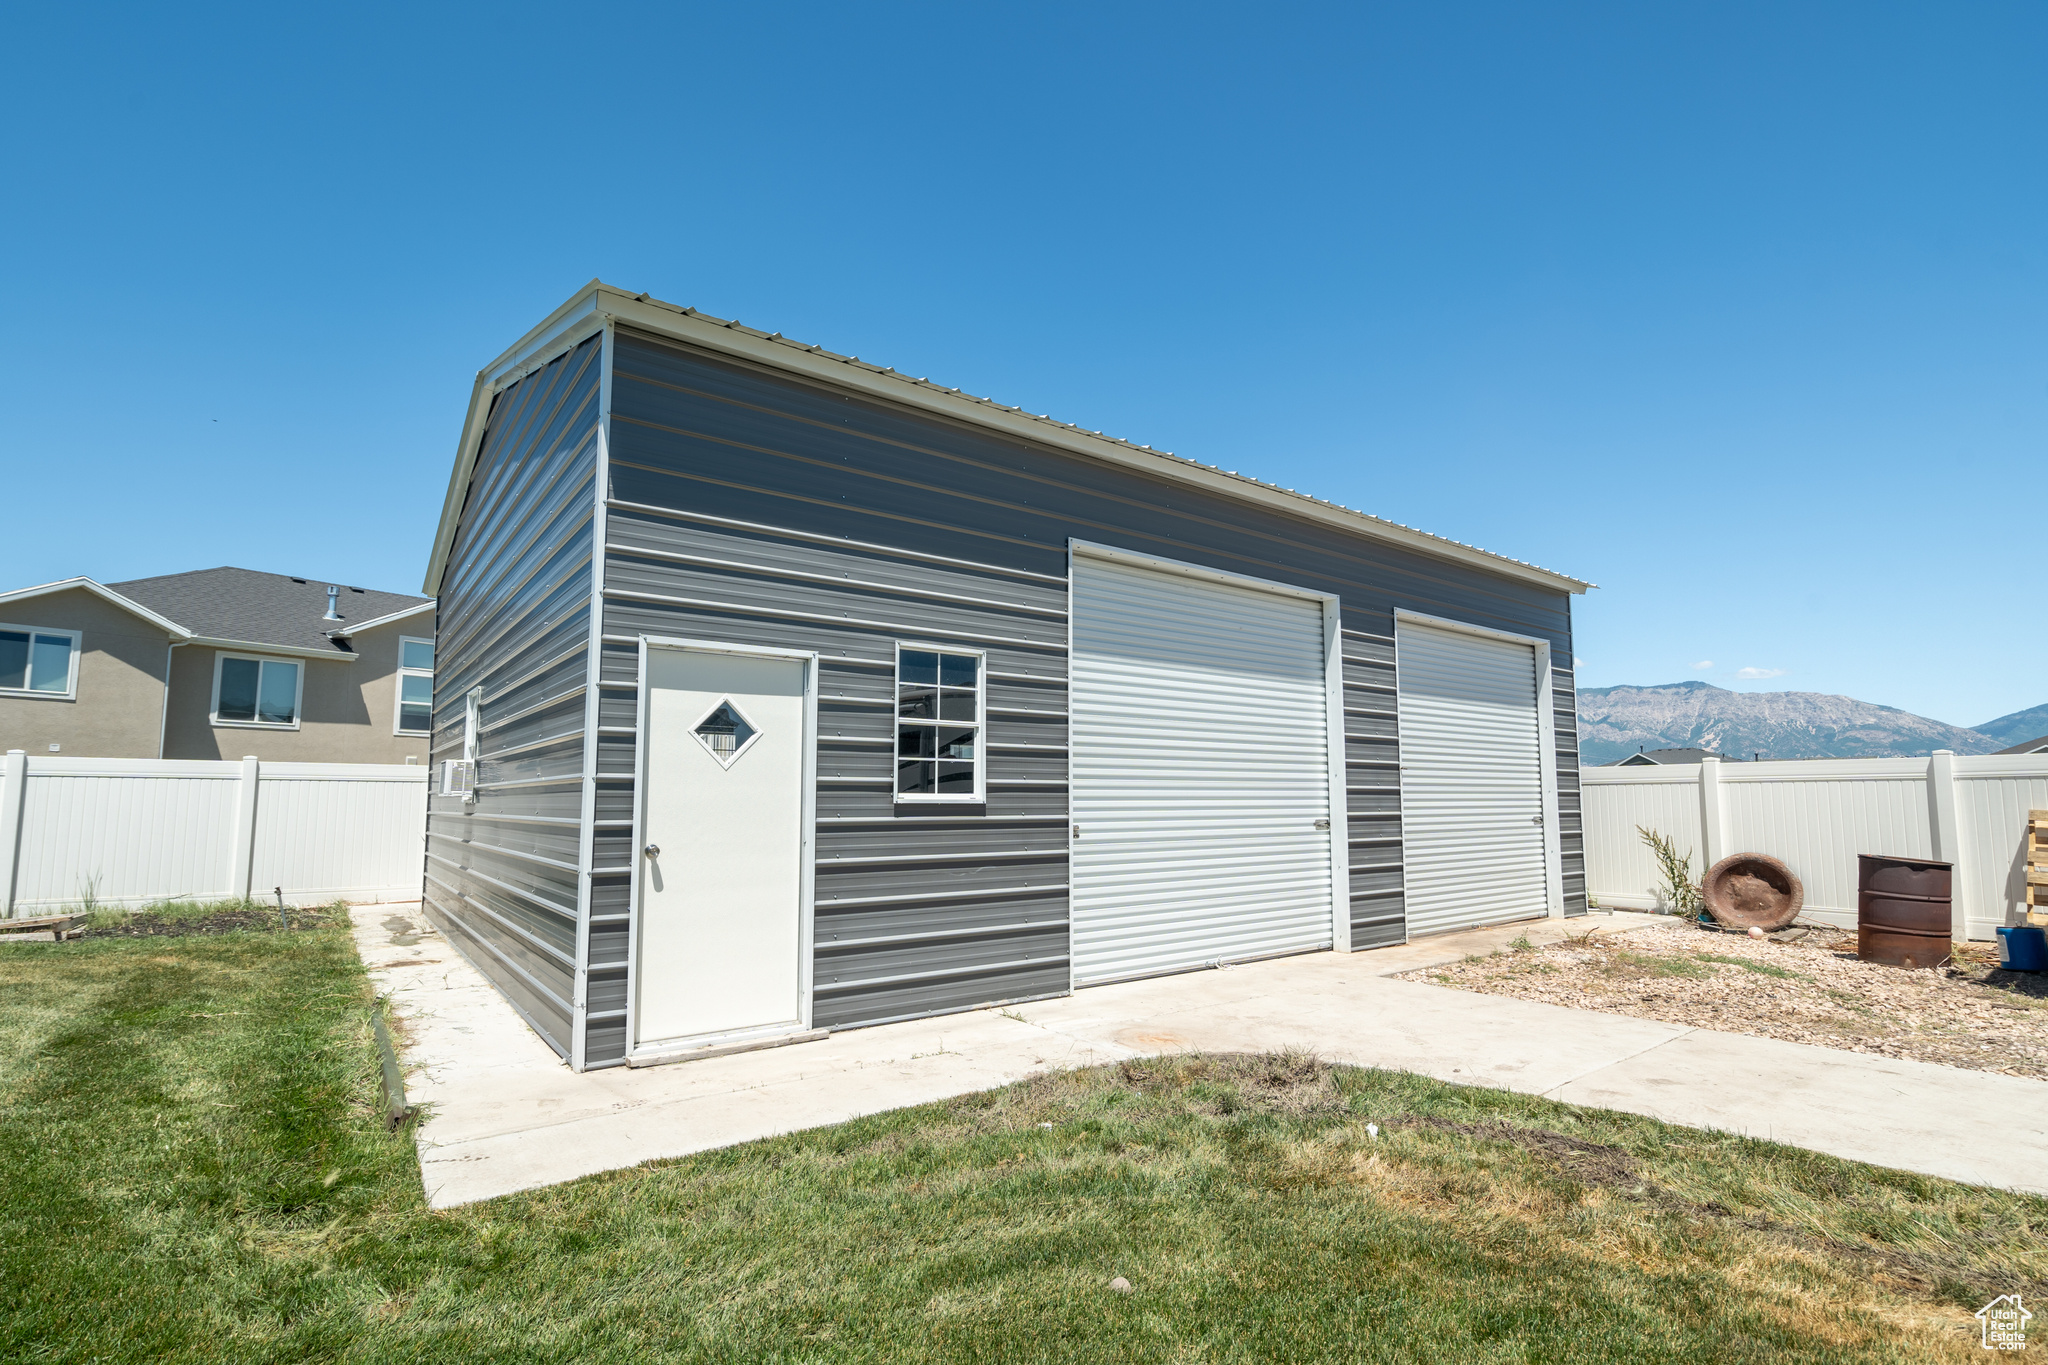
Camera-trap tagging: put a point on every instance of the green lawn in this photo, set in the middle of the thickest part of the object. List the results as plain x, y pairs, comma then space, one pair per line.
195, 1171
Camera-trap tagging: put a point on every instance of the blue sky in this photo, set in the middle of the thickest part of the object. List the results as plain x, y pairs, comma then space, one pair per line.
1736, 310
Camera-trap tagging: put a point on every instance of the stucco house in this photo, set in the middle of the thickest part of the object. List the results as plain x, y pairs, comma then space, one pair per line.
216, 663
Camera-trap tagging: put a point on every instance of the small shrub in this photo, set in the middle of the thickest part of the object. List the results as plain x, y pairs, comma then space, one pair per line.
1681, 889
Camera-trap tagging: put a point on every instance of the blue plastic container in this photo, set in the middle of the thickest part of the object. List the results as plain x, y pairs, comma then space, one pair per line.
2023, 948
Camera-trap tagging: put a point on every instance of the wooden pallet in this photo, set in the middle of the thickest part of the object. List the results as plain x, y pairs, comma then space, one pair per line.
56, 928
2037, 867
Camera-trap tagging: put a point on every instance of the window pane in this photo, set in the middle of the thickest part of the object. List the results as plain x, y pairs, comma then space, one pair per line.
415, 703
724, 732
917, 666
13, 658
957, 670
238, 689
956, 744
918, 703
52, 668
416, 654
915, 741
956, 779
279, 701
915, 778
956, 706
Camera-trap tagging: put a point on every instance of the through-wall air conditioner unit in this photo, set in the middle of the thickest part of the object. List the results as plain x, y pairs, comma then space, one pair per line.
458, 778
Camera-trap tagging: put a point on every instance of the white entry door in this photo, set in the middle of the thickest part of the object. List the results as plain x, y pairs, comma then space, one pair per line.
1472, 834
725, 854
1201, 772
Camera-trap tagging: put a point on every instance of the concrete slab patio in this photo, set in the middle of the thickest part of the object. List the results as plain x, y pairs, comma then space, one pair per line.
506, 1114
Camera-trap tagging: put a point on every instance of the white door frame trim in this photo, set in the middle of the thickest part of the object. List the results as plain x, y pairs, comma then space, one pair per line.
807, 878
1546, 742
1333, 704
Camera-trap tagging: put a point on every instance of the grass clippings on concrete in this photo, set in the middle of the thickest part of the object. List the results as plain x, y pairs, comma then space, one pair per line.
198, 1172
1969, 1013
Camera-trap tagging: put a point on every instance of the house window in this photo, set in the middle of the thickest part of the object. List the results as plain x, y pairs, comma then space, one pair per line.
250, 691
415, 686
37, 661
938, 724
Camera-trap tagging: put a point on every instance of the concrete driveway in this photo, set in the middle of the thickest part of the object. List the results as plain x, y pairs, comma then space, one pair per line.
506, 1114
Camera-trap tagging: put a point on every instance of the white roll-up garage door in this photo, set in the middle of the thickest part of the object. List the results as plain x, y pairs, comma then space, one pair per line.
1471, 780
1200, 769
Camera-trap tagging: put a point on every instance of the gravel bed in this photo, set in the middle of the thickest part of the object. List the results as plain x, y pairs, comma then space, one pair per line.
1968, 1013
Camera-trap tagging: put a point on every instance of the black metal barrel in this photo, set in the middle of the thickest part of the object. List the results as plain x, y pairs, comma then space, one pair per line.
1903, 910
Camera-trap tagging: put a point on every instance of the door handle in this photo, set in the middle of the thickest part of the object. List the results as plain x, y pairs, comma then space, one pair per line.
1322, 824
1535, 819
652, 850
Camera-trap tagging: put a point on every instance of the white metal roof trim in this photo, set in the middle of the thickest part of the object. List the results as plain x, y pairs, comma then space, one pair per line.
734, 325
573, 320
914, 381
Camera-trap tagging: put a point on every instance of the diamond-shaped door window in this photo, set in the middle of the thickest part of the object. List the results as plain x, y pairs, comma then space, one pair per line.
725, 733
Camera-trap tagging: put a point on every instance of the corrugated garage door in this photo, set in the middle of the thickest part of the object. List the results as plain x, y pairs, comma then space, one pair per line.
1200, 769
1471, 780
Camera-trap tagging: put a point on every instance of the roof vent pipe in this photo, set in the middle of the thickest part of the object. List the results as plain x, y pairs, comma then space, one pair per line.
332, 614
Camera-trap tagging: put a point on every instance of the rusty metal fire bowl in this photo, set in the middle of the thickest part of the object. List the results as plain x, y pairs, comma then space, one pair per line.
1752, 890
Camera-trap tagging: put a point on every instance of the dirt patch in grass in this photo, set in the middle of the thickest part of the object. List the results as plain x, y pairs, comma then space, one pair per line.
1953, 1273
1967, 1013
1292, 1083
183, 919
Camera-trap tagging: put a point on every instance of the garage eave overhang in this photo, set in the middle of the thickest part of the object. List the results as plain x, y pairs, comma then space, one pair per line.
597, 304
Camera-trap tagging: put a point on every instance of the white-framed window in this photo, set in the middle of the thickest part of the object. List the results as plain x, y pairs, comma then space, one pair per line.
249, 690
39, 661
415, 703
939, 710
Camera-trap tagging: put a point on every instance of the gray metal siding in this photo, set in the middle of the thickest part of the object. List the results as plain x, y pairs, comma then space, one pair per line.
1372, 778
514, 618
752, 507
1571, 838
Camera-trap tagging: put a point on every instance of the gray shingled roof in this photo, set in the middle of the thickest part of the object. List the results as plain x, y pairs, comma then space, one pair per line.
260, 608
2039, 744
1667, 756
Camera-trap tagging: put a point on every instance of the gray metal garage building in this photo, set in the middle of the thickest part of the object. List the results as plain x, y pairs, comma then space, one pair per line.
778, 691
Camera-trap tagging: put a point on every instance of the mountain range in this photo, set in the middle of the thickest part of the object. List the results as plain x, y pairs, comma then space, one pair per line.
1615, 722
2018, 727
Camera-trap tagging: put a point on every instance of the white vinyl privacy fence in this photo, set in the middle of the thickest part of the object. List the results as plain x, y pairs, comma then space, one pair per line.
1816, 815
130, 831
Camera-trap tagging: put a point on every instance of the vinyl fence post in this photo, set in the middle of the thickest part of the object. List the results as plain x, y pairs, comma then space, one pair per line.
1947, 836
1713, 814
13, 791
243, 866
